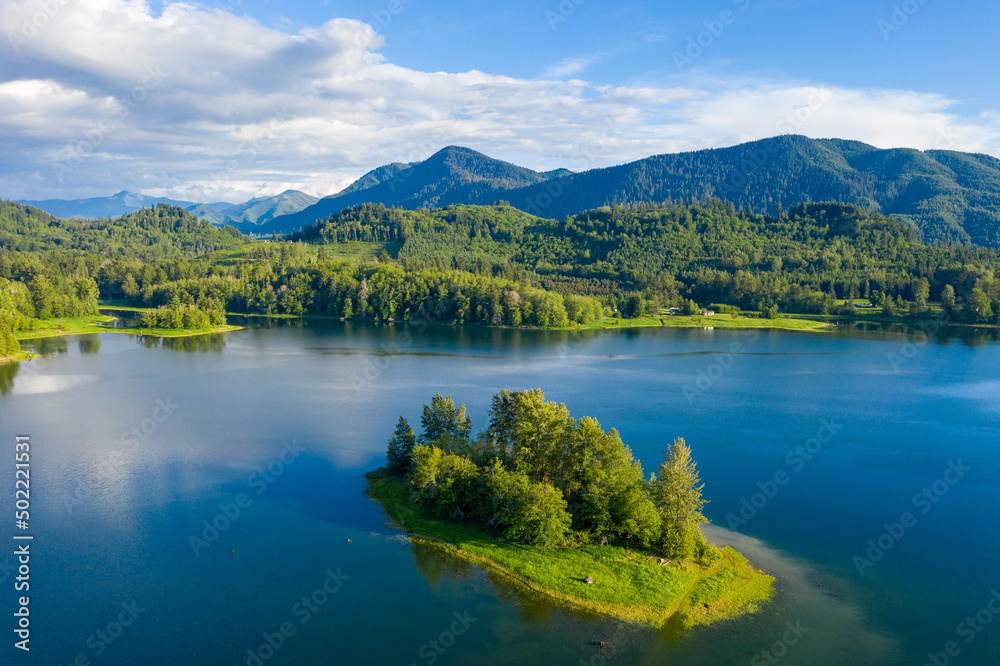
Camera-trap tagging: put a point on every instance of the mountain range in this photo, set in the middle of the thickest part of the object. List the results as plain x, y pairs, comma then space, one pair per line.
948, 196
246, 216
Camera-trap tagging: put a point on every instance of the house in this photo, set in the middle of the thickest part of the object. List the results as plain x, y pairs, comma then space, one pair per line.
707, 313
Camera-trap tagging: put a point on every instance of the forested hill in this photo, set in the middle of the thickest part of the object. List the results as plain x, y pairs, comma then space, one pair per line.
50, 267
799, 260
163, 232
945, 195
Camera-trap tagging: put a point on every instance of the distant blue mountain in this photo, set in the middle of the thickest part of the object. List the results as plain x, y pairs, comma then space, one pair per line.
244, 215
116, 205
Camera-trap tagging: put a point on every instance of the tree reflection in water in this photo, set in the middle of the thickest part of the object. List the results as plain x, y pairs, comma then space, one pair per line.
207, 342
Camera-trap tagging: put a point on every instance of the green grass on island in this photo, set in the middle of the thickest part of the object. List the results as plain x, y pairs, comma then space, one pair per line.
17, 356
628, 584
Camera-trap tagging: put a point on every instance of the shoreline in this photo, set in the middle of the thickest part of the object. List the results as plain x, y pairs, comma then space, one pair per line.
728, 588
811, 323
18, 357
89, 324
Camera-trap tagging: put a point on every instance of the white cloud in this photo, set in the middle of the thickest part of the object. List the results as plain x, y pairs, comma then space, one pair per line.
205, 105
570, 66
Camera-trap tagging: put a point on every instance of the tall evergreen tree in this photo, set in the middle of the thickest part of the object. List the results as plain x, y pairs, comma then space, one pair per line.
676, 492
400, 448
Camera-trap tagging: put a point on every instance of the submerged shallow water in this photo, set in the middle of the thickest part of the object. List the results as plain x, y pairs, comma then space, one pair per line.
154, 460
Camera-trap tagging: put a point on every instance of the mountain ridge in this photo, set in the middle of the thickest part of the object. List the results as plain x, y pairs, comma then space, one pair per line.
451, 175
948, 196
246, 215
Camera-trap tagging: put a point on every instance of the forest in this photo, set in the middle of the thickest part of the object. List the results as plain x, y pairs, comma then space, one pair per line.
536, 475
803, 260
490, 265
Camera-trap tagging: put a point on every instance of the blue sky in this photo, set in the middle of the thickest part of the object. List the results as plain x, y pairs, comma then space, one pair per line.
940, 48
237, 98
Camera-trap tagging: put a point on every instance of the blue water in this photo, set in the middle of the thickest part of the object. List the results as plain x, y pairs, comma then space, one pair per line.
114, 514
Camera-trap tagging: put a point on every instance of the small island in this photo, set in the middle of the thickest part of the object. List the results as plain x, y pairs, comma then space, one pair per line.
174, 320
559, 506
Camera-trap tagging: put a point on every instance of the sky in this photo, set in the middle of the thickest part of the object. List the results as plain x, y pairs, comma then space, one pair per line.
230, 99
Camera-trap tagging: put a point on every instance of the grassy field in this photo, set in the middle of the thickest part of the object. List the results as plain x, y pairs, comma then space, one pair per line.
628, 585
47, 328
715, 321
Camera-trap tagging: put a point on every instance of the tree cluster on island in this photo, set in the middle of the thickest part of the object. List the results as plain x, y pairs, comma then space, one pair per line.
536, 475
177, 315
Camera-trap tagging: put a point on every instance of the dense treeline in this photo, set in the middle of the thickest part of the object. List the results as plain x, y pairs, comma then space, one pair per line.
159, 233
8, 344
657, 255
180, 315
381, 291
155, 257
34, 287
496, 265
536, 475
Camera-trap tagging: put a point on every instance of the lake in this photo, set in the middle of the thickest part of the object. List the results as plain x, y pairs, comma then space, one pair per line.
200, 501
